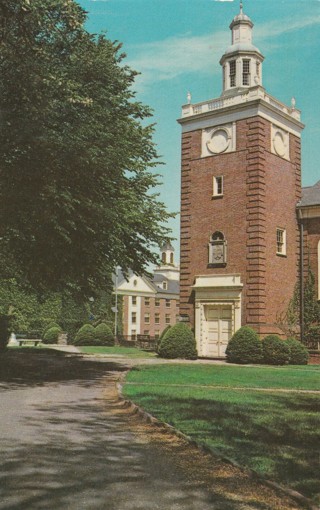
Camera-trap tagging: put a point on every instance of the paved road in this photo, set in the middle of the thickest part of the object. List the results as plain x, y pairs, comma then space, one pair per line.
67, 443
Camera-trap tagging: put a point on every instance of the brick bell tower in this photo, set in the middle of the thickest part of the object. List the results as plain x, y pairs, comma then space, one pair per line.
240, 183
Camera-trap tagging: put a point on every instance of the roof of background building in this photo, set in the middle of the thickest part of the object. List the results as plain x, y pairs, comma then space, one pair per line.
154, 282
173, 285
310, 195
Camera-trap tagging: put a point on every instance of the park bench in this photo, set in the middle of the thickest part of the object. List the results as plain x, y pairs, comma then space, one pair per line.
28, 341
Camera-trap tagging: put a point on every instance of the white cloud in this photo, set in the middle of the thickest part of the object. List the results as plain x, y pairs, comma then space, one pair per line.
174, 56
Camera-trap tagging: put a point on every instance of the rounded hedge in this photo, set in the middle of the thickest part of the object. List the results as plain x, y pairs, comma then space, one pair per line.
275, 350
103, 335
299, 354
51, 335
178, 342
164, 331
85, 335
244, 347
49, 326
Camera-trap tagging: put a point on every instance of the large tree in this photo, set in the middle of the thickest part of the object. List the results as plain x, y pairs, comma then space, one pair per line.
76, 152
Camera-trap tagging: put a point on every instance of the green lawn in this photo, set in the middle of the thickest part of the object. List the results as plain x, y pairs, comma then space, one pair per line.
273, 432
130, 352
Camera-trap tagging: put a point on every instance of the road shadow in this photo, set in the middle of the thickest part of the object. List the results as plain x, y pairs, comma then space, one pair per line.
74, 453
31, 367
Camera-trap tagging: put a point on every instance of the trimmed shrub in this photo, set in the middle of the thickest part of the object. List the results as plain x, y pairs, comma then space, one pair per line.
164, 331
299, 354
275, 350
49, 326
51, 335
103, 335
178, 342
85, 335
244, 347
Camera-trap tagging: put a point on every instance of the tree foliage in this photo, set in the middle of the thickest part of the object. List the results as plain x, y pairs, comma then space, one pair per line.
289, 321
76, 157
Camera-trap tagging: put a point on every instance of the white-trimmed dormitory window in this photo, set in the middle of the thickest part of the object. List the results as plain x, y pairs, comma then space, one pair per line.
133, 318
281, 241
146, 301
157, 301
147, 318
133, 300
217, 190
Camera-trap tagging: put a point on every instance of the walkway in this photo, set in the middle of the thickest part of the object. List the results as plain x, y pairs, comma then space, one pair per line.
67, 442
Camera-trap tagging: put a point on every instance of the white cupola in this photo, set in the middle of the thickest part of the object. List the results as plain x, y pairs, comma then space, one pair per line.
167, 254
242, 61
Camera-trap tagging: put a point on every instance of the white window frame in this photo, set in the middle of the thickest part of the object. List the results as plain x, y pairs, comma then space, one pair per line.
134, 300
157, 318
218, 183
233, 73
281, 239
168, 318
165, 285
147, 318
246, 72
133, 317
157, 302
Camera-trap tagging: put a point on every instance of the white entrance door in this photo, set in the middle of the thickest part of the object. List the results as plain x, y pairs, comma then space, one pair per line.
217, 330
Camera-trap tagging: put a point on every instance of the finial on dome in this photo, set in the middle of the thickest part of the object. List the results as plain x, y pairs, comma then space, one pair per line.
241, 7
293, 103
189, 97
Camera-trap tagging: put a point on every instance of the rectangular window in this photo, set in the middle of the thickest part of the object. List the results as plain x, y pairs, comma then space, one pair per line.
147, 318
232, 69
157, 335
246, 72
165, 285
146, 332
134, 300
157, 318
168, 303
157, 301
281, 241
133, 318
218, 186
168, 318
146, 301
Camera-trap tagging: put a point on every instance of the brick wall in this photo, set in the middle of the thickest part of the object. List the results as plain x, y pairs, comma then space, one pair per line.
163, 312
311, 243
260, 194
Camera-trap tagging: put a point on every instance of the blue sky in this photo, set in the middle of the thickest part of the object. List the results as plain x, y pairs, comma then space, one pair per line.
176, 45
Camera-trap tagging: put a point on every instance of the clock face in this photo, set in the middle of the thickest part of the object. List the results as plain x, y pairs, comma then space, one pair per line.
219, 141
279, 144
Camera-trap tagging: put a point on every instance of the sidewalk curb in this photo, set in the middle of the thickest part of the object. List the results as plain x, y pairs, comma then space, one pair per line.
147, 417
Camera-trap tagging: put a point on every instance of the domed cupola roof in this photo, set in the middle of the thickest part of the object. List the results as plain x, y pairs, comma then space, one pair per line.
242, 60
242, 46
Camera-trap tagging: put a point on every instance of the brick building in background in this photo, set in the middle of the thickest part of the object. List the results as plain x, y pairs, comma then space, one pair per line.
240, 185
150, 305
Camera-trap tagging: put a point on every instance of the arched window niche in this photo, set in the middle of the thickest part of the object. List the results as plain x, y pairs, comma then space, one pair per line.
217, 250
